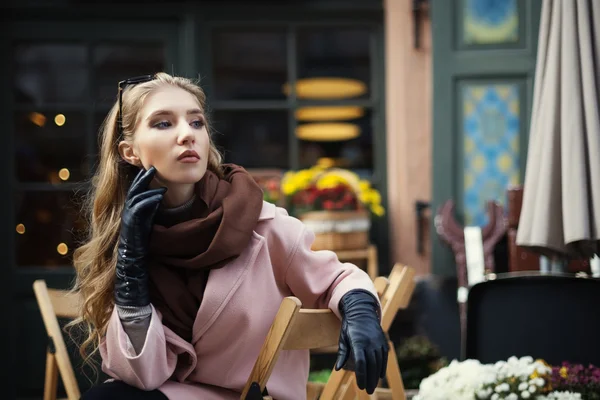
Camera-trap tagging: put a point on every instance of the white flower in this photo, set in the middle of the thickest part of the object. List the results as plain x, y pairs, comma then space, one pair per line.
457, 381
562, 396
539, 382
532, 389
503, 387
470, 379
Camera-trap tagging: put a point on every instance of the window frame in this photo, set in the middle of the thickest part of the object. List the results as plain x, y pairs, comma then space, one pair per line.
188, 32
188, 29
69, 32
375, 101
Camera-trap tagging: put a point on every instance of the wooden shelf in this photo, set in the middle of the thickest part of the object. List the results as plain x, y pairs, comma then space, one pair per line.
352, 254
369, 254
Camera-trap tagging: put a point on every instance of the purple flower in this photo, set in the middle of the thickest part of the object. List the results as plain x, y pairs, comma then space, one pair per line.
577, 378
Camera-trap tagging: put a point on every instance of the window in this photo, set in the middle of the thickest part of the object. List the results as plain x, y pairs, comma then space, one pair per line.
259, 122
62, 91
253, 139
273, 90
249, 64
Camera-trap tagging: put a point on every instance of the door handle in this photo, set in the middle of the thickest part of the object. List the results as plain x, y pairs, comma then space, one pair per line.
420, 207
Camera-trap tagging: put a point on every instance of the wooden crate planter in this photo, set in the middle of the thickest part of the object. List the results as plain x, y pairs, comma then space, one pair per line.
339, 230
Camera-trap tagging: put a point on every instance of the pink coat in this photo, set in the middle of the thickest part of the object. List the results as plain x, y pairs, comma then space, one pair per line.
239, 304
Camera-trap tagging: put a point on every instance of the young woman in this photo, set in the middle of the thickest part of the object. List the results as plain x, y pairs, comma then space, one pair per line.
186, 266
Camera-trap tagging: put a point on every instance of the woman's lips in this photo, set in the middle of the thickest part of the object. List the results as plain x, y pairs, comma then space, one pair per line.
189, 156
189, 160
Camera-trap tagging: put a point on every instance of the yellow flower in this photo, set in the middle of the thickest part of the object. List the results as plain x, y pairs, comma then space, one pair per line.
288, 188
378, 210
375, 196
541, 360
304, 175
364, 185
564, 372
293, 182
288, 175
535, 373
317, 169
364, 197
325, 177
329, 181
370, 196
301, 179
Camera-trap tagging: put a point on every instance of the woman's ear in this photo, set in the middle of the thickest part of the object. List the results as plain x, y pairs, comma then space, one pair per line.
128, 154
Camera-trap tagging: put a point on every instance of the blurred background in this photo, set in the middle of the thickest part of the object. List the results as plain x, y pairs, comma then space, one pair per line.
268, 69
425, 100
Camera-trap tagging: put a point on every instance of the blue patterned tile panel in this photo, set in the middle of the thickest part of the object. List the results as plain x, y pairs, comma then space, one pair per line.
490, 21
491, 131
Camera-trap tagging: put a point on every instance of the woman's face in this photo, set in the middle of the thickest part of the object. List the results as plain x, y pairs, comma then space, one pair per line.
171, 135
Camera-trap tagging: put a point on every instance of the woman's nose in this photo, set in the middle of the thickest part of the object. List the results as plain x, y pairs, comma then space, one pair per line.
186, 134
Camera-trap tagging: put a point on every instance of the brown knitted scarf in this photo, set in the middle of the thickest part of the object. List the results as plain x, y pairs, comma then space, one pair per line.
224, 216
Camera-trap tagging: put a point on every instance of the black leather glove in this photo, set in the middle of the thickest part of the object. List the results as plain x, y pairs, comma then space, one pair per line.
362, 339
131, 284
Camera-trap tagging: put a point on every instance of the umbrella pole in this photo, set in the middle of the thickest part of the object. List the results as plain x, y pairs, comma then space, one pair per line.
553, 265
558, 265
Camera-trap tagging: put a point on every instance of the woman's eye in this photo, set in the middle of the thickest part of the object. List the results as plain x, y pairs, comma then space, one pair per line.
162, 124
197, 124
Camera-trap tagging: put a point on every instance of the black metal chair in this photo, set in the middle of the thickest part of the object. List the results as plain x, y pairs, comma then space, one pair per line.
554, 317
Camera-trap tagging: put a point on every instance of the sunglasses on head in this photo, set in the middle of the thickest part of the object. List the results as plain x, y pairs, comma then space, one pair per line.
122, 85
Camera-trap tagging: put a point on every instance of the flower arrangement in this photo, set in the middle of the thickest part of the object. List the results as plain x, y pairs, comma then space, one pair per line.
577, 378
457, 381
515, 379
321, 188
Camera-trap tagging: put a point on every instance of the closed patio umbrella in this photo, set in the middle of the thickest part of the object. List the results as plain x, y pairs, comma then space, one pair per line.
560, 216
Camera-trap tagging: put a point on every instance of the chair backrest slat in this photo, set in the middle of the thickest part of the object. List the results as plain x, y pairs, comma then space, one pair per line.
394, 293
57, 303
273, 344
381, 284
293, 328
65, 304
313, 329
398, 293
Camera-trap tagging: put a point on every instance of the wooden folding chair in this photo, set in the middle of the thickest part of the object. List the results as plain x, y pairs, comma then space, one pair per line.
56, 304
294, 328
394, 293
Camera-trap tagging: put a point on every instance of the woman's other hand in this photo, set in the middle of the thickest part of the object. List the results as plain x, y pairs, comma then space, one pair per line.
362, 337
131, 285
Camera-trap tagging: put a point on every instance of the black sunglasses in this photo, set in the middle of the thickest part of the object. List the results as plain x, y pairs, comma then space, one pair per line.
122, 85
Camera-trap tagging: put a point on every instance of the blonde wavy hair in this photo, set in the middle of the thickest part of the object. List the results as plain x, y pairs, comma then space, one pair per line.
95, 261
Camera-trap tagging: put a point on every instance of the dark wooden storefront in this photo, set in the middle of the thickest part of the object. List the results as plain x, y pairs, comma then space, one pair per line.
62, 63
